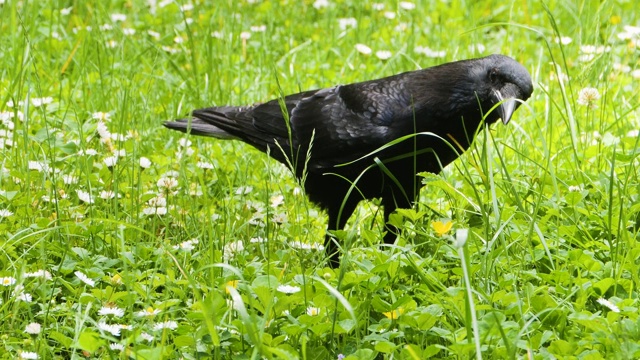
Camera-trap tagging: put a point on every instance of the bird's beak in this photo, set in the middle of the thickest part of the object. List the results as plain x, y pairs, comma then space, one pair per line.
507, 107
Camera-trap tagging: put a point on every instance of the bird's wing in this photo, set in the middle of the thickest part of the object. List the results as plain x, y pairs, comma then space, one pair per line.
347, 122
262, 125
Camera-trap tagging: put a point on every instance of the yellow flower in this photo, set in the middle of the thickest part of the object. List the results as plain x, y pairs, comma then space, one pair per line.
232, 283
394, 314
116, 279
441, 228
616, 19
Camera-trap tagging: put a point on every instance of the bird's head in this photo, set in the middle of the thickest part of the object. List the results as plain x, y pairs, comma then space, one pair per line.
499, 80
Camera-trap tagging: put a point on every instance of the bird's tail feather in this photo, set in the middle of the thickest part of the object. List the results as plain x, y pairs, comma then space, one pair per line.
231, 122
198, 127
239, 123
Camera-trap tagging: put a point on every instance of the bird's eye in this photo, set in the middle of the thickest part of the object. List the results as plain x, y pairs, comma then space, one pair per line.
493, 74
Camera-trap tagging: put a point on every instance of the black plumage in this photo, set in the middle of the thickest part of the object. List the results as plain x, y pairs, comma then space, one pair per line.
344, 140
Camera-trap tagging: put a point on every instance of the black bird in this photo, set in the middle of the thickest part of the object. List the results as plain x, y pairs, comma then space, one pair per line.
370, 139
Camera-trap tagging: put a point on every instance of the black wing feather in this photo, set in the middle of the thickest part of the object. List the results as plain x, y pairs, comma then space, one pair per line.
351, 121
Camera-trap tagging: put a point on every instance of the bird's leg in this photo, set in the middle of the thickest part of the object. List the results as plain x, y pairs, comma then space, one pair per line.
392, 231
337, 221
390, 205
332, 250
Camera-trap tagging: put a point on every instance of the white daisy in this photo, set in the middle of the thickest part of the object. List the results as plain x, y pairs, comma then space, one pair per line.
38, 166
186, 7
107, 194
313, 311
154, 211
153, 34
187, 245
89, 152
116, 346
288, 289
145, 163
85, 279
5, 213
109, 310
148, 312
276, 200
69, 179
171, 325
84, 196
114, 329
319, 4
101, 116
608, 304
258, 240
118, 17
345, 23
37, 102
363, 49
103, 130
204, 165
7, 281
243, 190
33, 328
564, 40
384, 54
40, 273
405, 5
26, 297
28, 355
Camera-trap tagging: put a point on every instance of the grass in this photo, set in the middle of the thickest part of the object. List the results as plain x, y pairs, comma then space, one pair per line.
120, 239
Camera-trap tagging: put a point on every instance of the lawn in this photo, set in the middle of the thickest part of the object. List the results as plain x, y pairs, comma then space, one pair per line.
121, 239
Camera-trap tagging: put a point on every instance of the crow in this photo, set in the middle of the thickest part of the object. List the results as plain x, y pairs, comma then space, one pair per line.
370, 139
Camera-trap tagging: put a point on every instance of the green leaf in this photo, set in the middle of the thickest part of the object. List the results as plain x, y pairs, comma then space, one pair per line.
573, 198
386, 347
61, 338
561, 347
282, 353
268, 281
89, 341
184, 340
411, 215
362, 354
68, 148
426, 321
9, 195
318, 353
265, 297
430, 351
380, 305
346, 325
149, 354
603, 285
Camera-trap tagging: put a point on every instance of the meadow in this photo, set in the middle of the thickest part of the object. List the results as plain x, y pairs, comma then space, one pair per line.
121, 239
